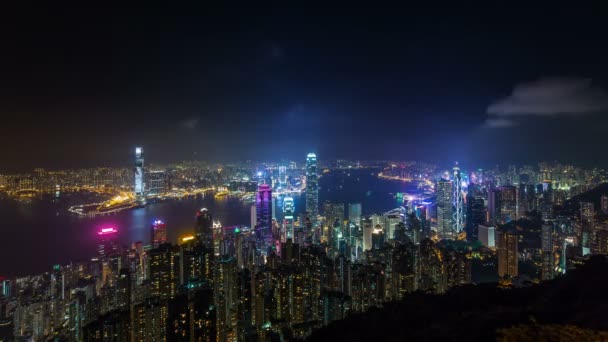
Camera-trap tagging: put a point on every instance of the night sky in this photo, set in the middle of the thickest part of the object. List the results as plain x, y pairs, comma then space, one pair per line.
82, 86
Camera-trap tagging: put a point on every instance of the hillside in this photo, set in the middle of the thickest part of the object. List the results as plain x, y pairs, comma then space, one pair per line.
486, 312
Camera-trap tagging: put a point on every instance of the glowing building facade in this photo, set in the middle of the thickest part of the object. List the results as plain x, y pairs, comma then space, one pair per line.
457, 201
263, 205
138, 187
312, 189
108, 244
159, 233
444, 209
288, 213
204, 227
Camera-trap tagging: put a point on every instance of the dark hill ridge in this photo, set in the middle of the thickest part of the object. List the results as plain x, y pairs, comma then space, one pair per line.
476, 313
572, 206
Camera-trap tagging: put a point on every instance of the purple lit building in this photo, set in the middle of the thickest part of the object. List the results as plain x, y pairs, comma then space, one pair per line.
263, 206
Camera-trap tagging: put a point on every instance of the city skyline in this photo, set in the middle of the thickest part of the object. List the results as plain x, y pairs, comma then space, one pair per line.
257, 173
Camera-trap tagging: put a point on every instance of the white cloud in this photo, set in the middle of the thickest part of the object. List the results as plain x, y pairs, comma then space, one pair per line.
548, 97
500, 123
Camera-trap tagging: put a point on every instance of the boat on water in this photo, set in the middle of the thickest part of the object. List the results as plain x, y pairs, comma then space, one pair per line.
220, 194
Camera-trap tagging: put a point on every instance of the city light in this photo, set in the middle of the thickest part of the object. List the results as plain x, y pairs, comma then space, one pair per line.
105, 231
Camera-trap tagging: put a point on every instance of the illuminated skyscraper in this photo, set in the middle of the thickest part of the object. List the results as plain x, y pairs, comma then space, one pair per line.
507, 254
108, 244
502, 204
312, 188
444, 209
138, 187
458, 201
368, 229
282, 176
547, 270
476, 215
204, 227
159, 233
164, 270
354, 213
263, 205
288, 212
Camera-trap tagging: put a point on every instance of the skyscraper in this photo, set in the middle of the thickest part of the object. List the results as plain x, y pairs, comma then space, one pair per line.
487, 235
312, 189
457, 201
159, 233
476, 215
138, 187
444, 209
288, 212
368, 229
354, 213
506, 203
164, 271
108, 244
507, 254
263, 205
547, 270
204, 227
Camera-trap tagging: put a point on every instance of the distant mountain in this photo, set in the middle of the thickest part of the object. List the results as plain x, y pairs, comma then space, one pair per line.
574, 305
571, 206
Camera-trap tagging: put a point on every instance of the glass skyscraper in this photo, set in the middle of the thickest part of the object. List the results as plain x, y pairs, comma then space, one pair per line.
445, 209
263, 205
138, 187
312, 188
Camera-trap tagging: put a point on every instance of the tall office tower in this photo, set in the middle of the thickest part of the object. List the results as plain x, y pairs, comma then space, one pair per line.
354, 213
390, 222
312, 189
507, 254
476, 215
282, 176
458, 201
487, 235
159, 233
444, 209
547, 269
225, 292
150, 320
506, 203
525, 199
164, 271
253, 215
263, 205
138, 187
204, 227
368, 229
288, 213
108, 242
333, 212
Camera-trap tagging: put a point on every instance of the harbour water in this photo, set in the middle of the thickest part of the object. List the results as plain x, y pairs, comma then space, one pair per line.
58, 237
